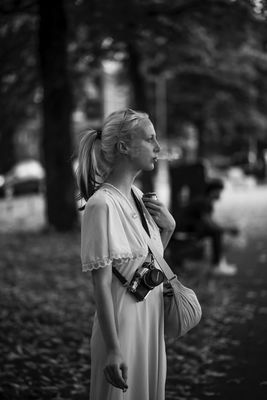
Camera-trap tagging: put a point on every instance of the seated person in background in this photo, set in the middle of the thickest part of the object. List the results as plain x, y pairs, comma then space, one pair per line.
198, 219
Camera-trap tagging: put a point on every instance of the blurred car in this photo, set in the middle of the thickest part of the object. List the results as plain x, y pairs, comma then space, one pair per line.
25, 177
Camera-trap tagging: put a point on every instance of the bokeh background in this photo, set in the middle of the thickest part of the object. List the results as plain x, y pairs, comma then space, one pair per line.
198, 68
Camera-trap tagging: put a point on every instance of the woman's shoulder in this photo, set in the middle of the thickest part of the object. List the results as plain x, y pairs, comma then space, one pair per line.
99, 200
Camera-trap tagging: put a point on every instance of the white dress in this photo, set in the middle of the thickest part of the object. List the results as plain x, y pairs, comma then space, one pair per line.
112, 235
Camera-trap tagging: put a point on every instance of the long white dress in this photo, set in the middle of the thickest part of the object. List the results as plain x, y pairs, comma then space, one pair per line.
112, 235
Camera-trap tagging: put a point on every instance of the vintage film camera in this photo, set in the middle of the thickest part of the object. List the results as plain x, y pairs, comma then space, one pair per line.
144, 280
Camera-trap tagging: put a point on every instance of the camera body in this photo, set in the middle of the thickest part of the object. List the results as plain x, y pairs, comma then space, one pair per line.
144, 280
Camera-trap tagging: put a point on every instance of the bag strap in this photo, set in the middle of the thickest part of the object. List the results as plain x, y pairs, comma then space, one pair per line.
152, 248
160, 260
141, 212
117, 273
121, 278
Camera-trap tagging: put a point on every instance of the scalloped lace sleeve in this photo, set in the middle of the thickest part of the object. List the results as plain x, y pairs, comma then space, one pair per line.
106, 237
116, 260
101, 263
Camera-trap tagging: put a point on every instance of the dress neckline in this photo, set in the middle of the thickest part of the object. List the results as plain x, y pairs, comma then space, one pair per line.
122, 195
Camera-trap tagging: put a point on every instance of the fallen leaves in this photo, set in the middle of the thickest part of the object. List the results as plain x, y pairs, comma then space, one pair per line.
46, 312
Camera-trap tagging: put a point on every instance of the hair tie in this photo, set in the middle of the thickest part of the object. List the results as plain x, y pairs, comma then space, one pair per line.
98, 134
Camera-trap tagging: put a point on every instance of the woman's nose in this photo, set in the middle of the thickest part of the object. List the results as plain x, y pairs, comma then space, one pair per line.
157, 147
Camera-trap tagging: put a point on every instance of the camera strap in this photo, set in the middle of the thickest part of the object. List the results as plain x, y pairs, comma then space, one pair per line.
121, 278
141, 213
152, 248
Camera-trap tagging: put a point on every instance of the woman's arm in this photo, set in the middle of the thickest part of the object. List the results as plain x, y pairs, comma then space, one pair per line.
115, 369
166, 235
162, 217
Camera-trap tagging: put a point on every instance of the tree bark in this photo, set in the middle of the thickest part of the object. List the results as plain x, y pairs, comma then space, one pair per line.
139, 100
137, 80
200, 124
7, 149
57, 106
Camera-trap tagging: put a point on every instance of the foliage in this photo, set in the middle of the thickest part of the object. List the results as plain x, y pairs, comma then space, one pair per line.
19, 77
217, 86
212, 55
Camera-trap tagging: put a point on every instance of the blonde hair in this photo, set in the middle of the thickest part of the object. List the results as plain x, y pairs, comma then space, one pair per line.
97, 151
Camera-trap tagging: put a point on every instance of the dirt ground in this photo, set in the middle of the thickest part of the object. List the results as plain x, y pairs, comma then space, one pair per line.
46, 309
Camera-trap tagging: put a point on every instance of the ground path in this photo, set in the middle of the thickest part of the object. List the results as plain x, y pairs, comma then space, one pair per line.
45, 303
225, 357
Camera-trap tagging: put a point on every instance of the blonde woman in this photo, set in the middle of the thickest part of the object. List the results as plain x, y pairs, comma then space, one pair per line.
128, 359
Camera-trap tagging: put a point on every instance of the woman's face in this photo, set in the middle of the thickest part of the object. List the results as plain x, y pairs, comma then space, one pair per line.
144, 147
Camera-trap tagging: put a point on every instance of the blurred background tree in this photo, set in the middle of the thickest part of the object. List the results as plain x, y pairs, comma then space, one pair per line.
187, 63
18, 72
57, 115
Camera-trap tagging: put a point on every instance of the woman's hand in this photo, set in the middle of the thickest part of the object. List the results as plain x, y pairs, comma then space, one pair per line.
116, 370
160, 214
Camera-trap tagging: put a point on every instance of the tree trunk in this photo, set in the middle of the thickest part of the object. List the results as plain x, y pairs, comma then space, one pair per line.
139, 94
7, 149
139, 99
200, 124
57, 106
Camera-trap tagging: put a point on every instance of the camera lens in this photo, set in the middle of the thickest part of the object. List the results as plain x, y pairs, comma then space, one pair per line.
153, 278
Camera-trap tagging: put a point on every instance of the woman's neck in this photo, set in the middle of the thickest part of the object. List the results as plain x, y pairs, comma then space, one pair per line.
122, 179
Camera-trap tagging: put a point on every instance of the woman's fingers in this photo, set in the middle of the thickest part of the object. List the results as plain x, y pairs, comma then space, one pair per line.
153, 212
154, 205
114, 376
153, 208
124, 371
117, 373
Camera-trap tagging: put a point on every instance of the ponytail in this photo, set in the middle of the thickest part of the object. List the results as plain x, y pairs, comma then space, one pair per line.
92, 169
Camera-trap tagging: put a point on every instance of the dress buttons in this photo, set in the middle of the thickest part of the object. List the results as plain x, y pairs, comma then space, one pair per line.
134, 216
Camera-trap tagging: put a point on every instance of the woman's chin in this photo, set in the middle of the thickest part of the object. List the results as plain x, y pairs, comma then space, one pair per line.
149, 167
146, 167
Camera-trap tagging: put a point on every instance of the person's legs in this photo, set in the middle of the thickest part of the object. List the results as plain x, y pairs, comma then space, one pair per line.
217, 246
218, 262
205, 230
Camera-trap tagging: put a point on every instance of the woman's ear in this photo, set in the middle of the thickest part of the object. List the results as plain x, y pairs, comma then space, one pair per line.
122, 147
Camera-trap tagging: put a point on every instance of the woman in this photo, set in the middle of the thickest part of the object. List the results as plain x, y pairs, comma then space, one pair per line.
128, 359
